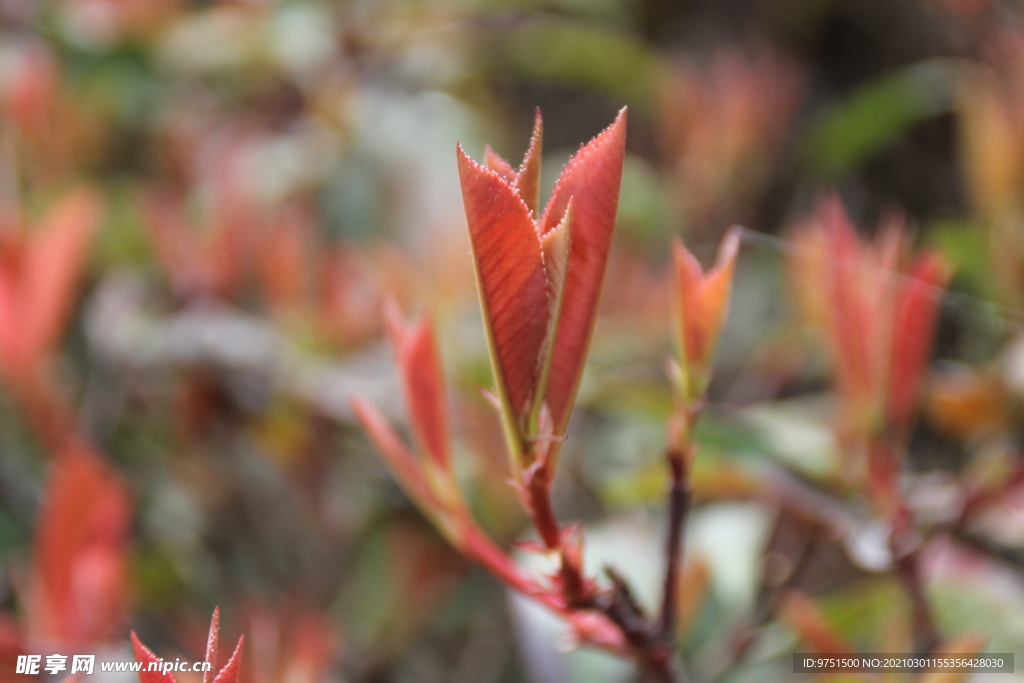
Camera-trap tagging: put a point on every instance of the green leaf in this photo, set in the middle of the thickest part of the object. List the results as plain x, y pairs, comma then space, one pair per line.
877, 114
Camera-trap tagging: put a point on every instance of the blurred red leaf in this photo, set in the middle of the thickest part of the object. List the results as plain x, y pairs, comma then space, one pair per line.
39, 272
878, 314
285, 256
917, 303
292, 644
79, 589
423, 382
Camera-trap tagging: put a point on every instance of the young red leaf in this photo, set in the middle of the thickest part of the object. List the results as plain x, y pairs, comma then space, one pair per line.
528, 176
557, 246
591, 181
496, 163
229, 674
146, 657
423, 382
525, 179
513, 285
211, 644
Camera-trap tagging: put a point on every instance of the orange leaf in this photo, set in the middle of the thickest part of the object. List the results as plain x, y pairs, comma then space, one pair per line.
704, 302
591, 181
513, 286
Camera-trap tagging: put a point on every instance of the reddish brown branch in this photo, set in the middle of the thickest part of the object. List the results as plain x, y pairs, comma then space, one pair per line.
652, 645
541, 510
678, 505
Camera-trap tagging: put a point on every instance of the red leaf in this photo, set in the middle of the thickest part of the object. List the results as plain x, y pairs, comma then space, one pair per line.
55, 263
591, 181
284, 260
398, 458
528, 176
78, 591
144, 655
497, 164
917, 303
289, 643
510, 270
39, 273
12, 266
420, 366
211, 644
854, 322
525, 179
229, 674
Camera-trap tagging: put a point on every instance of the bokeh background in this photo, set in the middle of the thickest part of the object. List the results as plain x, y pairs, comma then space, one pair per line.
204, 204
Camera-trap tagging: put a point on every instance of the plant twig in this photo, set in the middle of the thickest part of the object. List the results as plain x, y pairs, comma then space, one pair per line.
654, 654
678, 506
